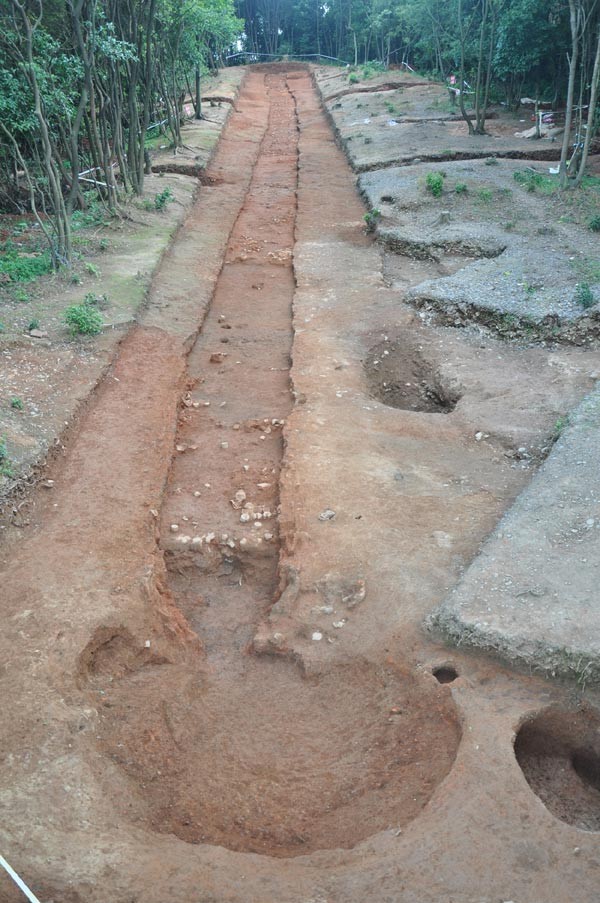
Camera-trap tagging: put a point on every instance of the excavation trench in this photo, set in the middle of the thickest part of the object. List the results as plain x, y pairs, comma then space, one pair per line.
250, 752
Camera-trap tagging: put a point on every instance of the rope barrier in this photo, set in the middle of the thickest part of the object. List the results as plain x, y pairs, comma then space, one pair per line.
20, 884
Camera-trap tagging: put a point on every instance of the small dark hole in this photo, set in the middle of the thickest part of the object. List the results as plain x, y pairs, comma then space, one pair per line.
445, 674
587, 766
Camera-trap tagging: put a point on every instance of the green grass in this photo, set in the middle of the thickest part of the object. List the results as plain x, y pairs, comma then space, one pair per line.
5, 465
584, 296
24, 269
534, 181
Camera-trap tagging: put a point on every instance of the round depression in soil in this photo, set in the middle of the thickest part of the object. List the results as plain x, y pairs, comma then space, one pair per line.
399, 376
559, 753
276, 763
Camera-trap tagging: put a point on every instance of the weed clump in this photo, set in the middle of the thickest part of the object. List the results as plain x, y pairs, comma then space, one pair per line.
160, 200
584, 296
434, 183
5, 465
594, 224
83, 319
461, 188
371, 219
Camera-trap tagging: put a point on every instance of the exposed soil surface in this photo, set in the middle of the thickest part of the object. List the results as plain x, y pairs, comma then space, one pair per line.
212, 634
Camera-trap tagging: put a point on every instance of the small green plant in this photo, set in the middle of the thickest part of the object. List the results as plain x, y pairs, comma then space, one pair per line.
16, 404
75, 279
584, 296
92, 269
353, 78
372, 218
529, 288
560, 426
461, 188
83, 319
491, 161
161, 199
485, 195
5, 466
434, 183
594, 224
21, 295
33, 324
99, 301
103, 244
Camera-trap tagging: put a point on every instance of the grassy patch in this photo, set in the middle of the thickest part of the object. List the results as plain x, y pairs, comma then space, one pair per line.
24, 268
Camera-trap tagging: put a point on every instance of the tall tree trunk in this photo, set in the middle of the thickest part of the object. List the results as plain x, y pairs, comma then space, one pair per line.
574, 19
591, 116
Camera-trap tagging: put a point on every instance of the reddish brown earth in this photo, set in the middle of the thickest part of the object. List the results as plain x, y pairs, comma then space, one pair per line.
192, 684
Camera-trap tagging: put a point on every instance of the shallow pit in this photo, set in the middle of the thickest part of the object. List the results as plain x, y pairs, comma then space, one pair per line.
276, 762
399, 376
445, 674
559, 753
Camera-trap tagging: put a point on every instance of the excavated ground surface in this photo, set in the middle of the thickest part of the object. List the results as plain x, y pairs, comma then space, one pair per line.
212, 636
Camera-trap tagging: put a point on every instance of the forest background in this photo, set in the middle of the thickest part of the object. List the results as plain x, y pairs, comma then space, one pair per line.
85, 83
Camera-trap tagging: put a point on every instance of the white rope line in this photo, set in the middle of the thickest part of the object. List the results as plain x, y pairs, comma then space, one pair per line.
20, 884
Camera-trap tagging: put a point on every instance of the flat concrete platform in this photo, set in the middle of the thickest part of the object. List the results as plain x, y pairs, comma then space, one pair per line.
532, 594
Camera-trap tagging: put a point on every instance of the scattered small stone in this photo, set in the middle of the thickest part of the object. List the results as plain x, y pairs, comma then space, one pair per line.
153, 512
147, 644
48, 484
224, 444
327, 514
217, 357
317, 635
197, 494
174, 528
263, 485
338, 624
38, 334
268, 537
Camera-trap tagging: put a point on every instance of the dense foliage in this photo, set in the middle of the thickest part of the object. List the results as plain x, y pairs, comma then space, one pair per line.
83, 81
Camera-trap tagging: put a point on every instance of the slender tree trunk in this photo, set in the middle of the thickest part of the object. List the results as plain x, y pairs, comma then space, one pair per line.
574, 18
591, 116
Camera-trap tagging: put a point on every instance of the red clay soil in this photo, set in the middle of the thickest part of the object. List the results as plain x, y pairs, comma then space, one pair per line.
159, 736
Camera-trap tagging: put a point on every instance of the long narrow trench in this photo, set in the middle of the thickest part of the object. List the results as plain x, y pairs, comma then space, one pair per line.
251, 753
219, 519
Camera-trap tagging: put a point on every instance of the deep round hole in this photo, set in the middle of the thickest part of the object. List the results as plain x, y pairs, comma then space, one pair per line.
445, 674
559, 753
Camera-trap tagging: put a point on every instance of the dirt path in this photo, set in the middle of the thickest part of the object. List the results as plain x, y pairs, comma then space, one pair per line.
212, 625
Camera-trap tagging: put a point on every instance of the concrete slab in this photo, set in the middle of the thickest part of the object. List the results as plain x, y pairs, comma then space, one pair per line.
532, 594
